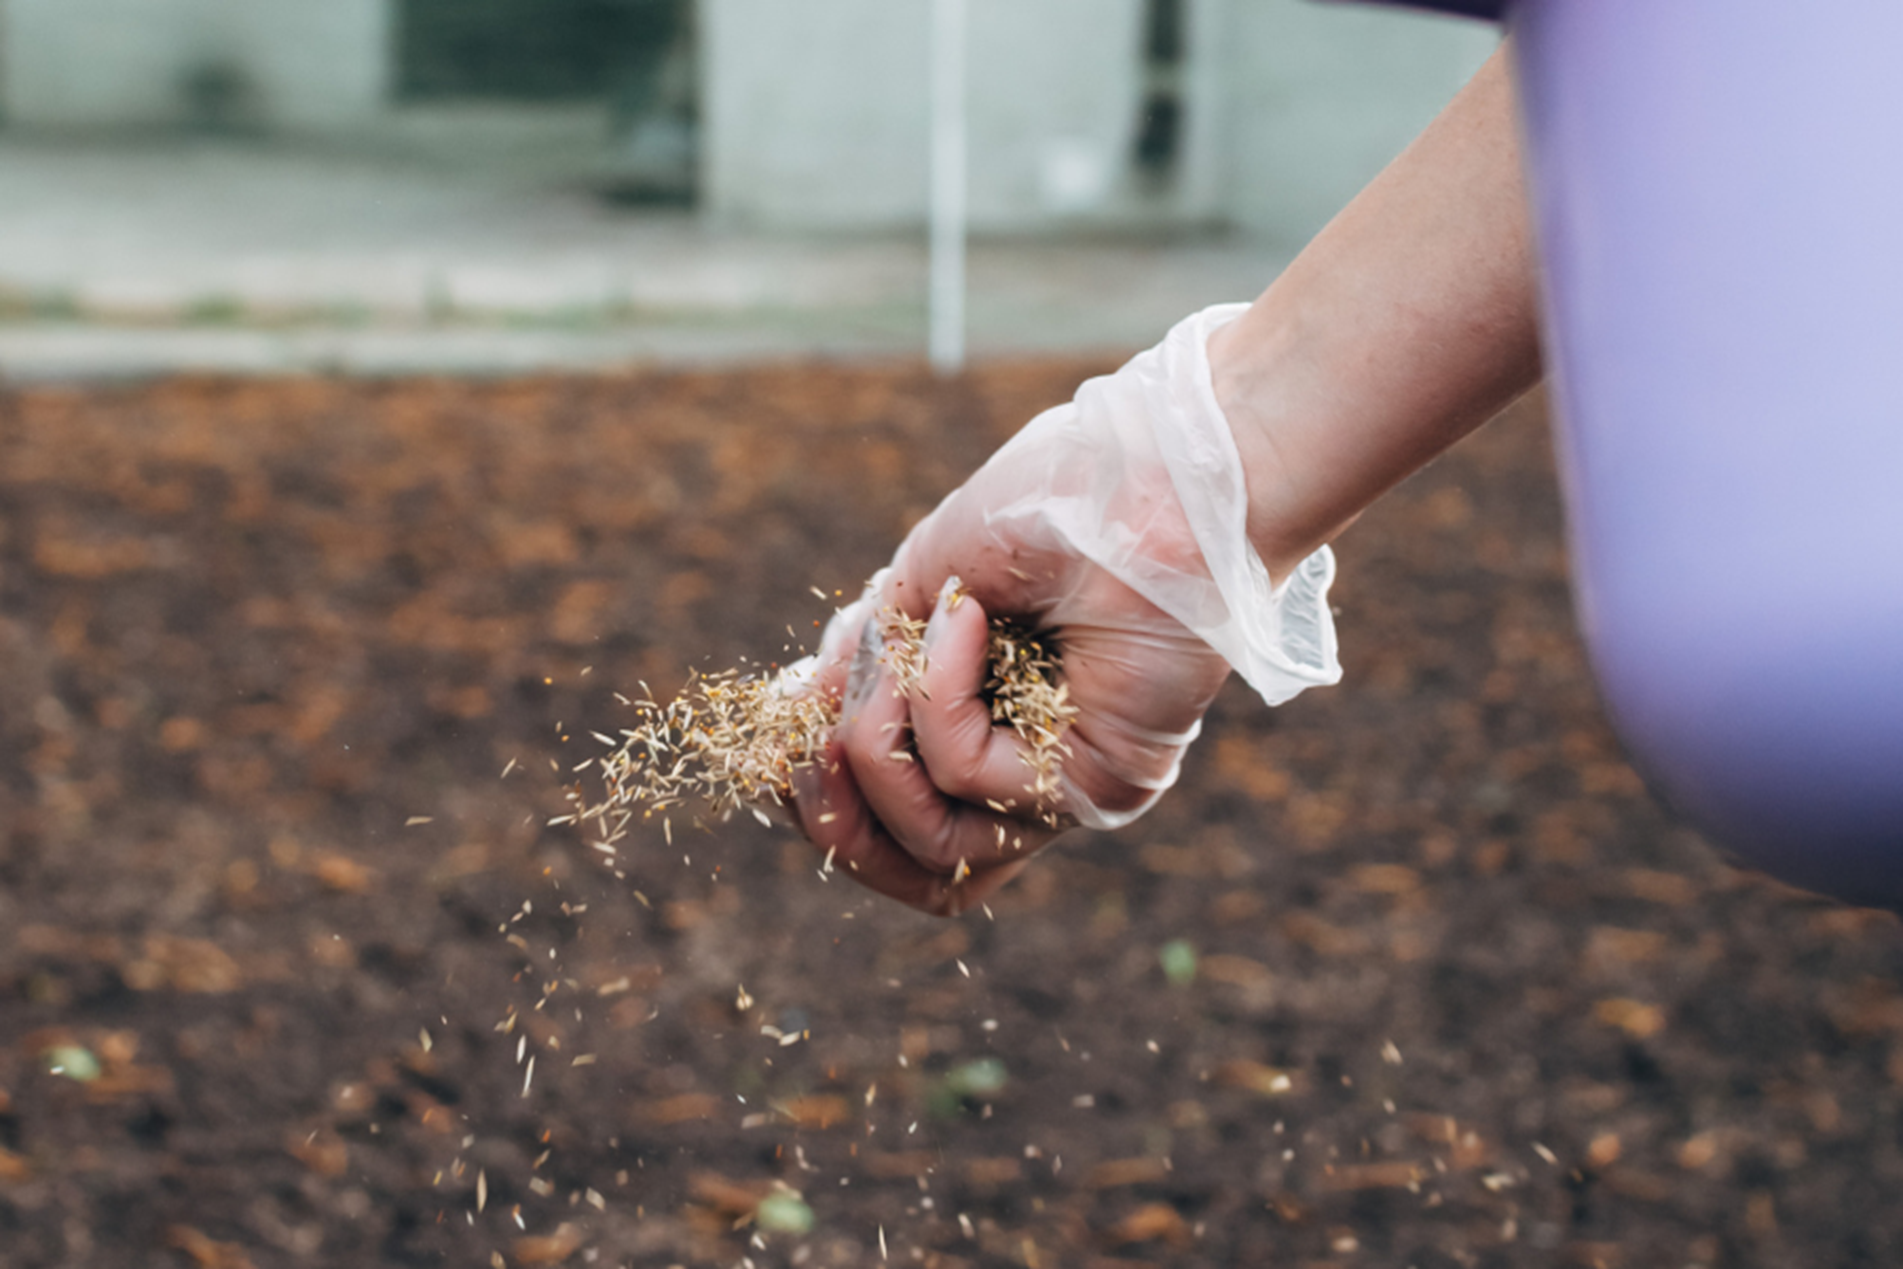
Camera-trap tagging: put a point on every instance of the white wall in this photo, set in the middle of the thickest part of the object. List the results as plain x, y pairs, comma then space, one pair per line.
1320, 96
815, 114
1053, 97
314, 65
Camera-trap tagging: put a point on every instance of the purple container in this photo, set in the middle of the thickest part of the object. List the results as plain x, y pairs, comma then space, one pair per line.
1718, 186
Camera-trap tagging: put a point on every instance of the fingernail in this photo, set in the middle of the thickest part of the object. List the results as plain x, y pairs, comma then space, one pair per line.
950, 595
804, 782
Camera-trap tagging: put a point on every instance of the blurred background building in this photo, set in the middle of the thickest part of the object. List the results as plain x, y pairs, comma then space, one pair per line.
650, 130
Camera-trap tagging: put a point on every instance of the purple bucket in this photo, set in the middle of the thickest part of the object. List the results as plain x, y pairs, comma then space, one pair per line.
1718, 188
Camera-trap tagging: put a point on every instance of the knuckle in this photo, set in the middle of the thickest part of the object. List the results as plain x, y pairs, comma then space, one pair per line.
957, 781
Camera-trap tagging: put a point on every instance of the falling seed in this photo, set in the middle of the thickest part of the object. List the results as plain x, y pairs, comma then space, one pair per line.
423, 1038
527, 1075
882, 1254
414, 820
583, 1059
482, 1189
1545, 1154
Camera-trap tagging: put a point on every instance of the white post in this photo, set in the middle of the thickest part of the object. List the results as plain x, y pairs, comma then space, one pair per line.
947, 323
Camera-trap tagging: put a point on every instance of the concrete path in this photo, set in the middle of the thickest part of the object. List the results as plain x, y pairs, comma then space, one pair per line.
136, 259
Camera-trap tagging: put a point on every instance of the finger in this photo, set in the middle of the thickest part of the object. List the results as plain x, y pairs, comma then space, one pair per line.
966, 754
831, 664
943, 834
943, 546
839, 823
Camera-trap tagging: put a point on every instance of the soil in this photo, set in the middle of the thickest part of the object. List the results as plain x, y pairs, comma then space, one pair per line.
1408, 972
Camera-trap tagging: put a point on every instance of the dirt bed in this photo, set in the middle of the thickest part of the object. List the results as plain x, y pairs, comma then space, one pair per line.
1409, 972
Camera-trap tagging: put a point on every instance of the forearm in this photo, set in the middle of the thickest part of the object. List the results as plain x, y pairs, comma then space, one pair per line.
1408, 322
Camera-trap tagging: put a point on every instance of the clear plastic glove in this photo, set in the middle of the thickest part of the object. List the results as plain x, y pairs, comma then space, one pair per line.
1114, 525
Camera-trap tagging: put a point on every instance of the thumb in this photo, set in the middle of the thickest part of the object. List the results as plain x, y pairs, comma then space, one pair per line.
966, 754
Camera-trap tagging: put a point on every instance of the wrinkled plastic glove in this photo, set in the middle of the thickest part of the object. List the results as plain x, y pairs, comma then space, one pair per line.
1114, 526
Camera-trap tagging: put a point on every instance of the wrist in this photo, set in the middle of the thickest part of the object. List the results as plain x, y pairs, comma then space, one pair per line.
1250, 375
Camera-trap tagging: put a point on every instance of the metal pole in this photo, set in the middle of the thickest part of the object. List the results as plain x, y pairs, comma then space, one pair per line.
947, 326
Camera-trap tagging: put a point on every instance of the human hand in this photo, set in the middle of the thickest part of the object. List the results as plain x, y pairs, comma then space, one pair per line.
1114, 527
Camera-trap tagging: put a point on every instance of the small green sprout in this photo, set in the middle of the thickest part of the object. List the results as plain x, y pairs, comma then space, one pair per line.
1178, 959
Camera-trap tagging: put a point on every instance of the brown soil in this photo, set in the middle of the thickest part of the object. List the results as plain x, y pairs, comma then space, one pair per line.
1463, 995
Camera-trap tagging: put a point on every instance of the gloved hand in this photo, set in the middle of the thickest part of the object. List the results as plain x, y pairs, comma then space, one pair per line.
1113, 525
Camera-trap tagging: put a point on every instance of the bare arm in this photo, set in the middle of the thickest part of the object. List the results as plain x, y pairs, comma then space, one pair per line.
1408, 322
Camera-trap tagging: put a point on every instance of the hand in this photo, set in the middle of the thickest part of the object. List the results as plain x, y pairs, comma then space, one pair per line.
1114, 527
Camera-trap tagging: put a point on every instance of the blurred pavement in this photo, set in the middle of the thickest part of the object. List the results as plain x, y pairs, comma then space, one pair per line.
141, 258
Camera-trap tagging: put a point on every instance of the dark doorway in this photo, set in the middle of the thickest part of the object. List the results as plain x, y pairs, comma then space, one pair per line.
636, 57
531, 50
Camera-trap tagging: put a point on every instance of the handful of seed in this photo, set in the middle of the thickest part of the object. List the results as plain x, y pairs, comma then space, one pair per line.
731, 740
